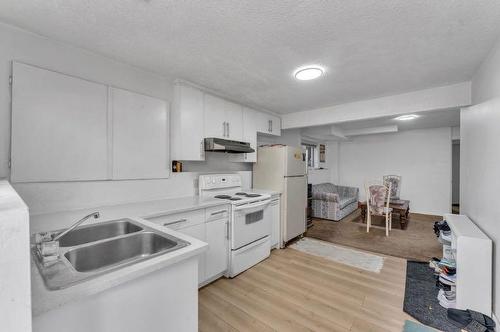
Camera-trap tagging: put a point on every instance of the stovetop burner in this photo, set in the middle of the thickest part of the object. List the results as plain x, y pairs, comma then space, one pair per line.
235, 197
222, 196
248, 195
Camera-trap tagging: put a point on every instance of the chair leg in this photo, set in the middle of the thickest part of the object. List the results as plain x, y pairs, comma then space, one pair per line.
368, 222
390, 222
387, 224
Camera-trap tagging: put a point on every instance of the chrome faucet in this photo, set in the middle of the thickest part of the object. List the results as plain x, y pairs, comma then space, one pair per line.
75, 225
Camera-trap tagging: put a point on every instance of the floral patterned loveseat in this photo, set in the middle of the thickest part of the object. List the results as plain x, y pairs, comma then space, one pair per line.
333, 202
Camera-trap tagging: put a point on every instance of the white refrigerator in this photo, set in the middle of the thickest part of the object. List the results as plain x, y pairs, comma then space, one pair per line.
282, 168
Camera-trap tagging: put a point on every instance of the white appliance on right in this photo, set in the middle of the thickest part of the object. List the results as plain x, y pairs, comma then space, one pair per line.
282, 168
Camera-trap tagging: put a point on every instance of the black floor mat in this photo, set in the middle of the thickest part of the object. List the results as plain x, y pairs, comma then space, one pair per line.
421, 297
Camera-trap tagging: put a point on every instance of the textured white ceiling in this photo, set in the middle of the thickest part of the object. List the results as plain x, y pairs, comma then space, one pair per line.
247, 50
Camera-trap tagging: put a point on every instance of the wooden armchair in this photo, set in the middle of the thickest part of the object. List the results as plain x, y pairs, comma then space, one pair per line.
378, 196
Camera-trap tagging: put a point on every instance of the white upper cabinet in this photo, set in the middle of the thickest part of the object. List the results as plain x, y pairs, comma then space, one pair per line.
59, 127
69, 129
187, 124
140, 141
198, 115
223, 119
268, 124
250, 121
234, 118
215, 117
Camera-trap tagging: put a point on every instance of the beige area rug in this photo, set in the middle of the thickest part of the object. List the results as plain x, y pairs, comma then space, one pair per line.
351, 257
417, 242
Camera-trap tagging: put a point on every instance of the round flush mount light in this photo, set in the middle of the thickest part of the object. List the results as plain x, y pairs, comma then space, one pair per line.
406, 117
308, 73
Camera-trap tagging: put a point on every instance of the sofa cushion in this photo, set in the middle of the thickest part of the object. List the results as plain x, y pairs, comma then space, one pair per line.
324, 188
325, 196
344, 201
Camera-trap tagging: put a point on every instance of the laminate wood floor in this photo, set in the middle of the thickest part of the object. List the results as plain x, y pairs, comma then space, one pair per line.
294, 291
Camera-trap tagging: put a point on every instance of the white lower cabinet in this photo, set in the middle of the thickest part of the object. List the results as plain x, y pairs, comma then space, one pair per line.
198, 232
216, 256
208, 225
276, 221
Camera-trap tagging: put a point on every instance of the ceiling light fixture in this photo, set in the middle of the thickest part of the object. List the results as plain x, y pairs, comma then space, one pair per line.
406, 117
308, 73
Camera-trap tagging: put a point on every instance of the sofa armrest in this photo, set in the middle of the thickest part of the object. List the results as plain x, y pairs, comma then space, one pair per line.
324, 196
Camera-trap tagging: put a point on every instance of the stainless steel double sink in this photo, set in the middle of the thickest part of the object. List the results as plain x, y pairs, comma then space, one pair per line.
96, 249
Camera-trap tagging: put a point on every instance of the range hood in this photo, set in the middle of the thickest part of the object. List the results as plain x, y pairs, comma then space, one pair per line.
224, 145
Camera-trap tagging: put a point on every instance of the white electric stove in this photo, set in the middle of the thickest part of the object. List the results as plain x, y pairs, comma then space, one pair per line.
250, 221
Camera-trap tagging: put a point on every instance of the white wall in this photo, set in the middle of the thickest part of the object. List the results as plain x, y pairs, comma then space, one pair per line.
479, 177
480, 158
315, 176
19, 45
328, 169
421, 157
486, 81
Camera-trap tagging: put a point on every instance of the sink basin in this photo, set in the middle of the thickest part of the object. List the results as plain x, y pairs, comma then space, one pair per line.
96, 249
117, 251
96, 232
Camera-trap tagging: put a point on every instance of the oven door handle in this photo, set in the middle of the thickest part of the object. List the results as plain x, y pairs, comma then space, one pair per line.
253, 205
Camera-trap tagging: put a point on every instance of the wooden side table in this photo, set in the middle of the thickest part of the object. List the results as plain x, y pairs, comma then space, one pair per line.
401, 207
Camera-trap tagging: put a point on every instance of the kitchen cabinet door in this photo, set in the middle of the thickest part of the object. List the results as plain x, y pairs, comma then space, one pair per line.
275, 125
59, 127
140, 136
234, 118
249, 135
198, 232
251, 157
268, 124
217, 254
276, 222
187, 127
215, 117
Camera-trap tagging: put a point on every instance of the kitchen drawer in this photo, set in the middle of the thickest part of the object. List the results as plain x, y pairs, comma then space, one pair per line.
181, 220
216, 213
246, 257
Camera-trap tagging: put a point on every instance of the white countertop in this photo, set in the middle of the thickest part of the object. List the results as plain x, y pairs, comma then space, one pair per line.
44, 299
64, 219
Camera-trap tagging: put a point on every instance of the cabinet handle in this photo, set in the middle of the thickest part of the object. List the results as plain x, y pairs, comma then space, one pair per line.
224, 128
227, 230
217, 212
202, 148
269, 125
227, 129
175, 222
